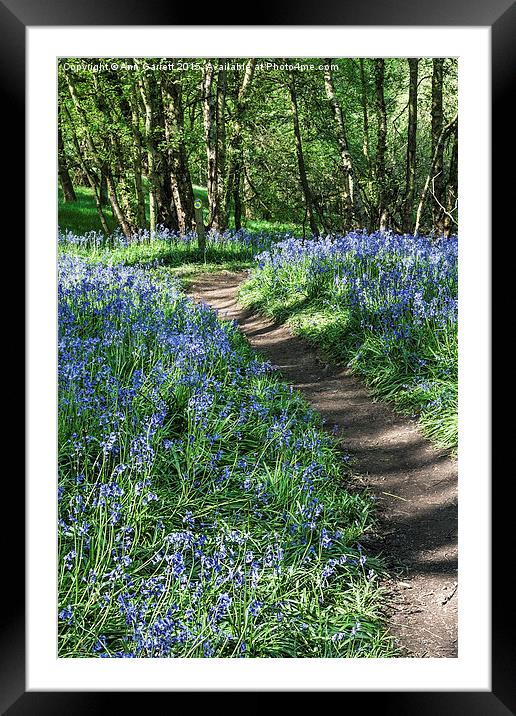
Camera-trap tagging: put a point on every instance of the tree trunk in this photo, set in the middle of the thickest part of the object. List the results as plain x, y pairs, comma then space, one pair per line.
90, 176
166, 214
85, 124
103, 193
451, 189
180, 179
64, 175
210, 130
437, 147
410, 174
247, 194
101, 163
114, 157
300, 158
367, 186
117, 210
381, 145
235, 173
449, 127
365, 112
124, 184
345, 156
150, 128
137, 159
222, 214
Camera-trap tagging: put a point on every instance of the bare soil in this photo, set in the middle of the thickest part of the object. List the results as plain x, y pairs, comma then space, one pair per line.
414, 484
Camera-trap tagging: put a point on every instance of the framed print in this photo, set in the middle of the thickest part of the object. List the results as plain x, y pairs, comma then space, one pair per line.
94, 69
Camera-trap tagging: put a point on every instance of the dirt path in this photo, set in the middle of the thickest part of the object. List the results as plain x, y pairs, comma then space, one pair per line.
415, 484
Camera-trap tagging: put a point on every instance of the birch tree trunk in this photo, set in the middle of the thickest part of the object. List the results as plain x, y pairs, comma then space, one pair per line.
345, 156
437, 147
410, 174
148, 102
221, 209
237, 165
368, 188
166, 209
115, 159
300, 158
141, 218
365, 113
381, 145
210, 131
180, 178
117, 210
100, 161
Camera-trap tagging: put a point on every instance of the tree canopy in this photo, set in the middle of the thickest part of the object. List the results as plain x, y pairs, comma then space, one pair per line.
328, 144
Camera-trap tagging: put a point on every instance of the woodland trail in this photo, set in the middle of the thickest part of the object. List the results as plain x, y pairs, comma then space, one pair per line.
414, 483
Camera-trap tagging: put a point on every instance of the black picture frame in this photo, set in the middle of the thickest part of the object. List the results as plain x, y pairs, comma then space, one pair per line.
500, 15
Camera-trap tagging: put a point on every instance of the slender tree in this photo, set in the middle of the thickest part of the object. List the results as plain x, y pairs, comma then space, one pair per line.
167, 215
99, 159
410, 172
300, 157
92, 180
431, 173
62, 163
348, 199
368, 173
180, 179
437, 146
210, 130
148, 97
117, 209
452, 188
365, 113
137, 156
221, 205
114, 111
381, 143
237, 163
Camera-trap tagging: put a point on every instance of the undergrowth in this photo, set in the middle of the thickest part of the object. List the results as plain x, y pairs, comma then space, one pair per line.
203, 510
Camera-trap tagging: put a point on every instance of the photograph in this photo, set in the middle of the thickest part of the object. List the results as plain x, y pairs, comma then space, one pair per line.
258, 357
258, 394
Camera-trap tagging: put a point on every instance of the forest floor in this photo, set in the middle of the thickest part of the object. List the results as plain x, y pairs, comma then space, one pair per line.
414, 483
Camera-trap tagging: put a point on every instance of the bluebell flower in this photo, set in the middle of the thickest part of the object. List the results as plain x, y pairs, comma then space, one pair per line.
66, 614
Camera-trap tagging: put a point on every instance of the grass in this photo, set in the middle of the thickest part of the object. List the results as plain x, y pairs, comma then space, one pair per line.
182, 258
180, 255
81, 217
203, 510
